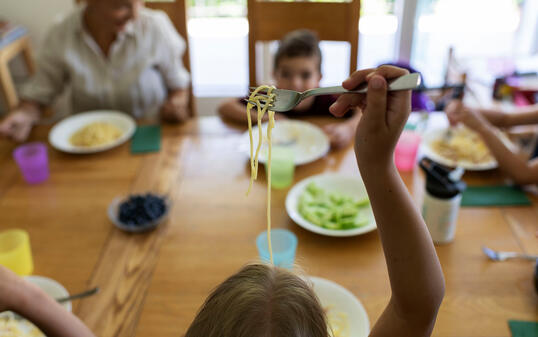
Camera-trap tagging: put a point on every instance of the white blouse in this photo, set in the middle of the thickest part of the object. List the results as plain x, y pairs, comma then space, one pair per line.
144, 63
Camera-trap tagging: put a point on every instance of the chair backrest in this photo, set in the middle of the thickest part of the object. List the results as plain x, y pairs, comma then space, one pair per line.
332, 21
177, 12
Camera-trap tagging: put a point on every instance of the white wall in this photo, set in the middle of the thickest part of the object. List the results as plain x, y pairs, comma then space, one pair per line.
36, 15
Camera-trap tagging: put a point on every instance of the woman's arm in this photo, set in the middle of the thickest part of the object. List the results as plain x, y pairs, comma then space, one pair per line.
18, 124
176, 107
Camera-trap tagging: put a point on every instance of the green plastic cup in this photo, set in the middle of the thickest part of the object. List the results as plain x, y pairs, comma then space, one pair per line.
282, 167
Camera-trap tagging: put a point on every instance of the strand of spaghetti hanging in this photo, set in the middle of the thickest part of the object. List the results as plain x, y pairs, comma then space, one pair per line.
256, 98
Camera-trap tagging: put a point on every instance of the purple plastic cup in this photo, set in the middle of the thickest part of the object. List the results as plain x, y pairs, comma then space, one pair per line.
33, 161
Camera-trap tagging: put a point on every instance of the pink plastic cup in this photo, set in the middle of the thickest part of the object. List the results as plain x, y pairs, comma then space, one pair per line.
33, 161
405, 153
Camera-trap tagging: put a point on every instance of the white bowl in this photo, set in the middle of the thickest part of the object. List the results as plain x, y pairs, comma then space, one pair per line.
307, 141
51, 288
340, 300
332, 182
61, 133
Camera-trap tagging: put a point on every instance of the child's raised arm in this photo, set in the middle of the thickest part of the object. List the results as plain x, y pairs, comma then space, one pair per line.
415, 274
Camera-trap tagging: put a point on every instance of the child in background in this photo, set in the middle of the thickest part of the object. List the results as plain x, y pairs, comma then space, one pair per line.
484, 122
263, 300
297, 66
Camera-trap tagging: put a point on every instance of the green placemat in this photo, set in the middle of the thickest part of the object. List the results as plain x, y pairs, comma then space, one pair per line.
523, 329
147, 138
497, 195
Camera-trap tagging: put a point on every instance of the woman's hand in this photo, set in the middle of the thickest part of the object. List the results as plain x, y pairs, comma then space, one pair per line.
18, 124
176, 107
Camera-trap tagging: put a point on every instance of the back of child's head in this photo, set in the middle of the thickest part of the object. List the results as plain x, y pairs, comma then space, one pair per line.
260, 301
298, 43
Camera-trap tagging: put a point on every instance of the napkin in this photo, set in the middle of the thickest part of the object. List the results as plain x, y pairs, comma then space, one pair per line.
496, 195
147, 138
523, 329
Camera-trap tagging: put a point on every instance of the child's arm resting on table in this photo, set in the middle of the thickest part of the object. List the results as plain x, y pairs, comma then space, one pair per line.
341, 134
521, 171
233, 110
33, 304
415, 273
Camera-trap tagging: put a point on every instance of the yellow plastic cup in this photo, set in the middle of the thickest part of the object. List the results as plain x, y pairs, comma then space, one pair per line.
15, 252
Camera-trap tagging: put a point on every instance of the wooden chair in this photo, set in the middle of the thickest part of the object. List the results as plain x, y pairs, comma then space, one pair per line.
177, 12
7, 53
332, 21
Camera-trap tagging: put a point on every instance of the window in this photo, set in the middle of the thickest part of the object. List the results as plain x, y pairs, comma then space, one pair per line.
378, 25
474, 28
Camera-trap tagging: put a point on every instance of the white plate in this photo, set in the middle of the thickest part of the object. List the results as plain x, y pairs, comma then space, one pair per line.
61, 133
427, 150
51, 288
341, 300
332, 182
308, 141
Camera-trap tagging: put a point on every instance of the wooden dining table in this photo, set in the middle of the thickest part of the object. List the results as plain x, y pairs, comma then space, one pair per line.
152, 284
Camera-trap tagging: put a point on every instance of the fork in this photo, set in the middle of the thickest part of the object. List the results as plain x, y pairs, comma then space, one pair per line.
286, 100
79, 295
501, 256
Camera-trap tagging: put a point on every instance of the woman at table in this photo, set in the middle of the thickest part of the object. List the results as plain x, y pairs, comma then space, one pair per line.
263, 300
484, 122
111, 54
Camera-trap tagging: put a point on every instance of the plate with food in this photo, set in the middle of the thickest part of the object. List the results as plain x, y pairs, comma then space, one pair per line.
307, 140
346, 316
92, 132
332, 205
459, 146
139, 213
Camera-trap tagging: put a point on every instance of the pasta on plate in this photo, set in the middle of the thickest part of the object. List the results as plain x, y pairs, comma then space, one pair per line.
95, 134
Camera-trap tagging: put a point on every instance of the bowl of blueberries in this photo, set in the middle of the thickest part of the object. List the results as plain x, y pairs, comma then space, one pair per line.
139, 213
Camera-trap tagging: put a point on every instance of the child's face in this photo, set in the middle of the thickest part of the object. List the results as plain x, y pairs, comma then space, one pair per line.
297, 73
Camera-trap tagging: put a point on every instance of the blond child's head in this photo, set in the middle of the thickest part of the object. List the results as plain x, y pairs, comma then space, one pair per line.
297, 63
260, 301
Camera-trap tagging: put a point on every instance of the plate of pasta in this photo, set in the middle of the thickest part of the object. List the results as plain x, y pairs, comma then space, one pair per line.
345, 314
331, 204
92, 132
307, 141
459, 147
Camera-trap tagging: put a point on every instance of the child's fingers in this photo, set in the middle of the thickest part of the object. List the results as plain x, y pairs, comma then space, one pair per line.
344, 102
388, 72
376, 102
356, 78
329, 128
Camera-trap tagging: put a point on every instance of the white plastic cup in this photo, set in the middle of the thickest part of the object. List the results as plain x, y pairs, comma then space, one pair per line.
441, 216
